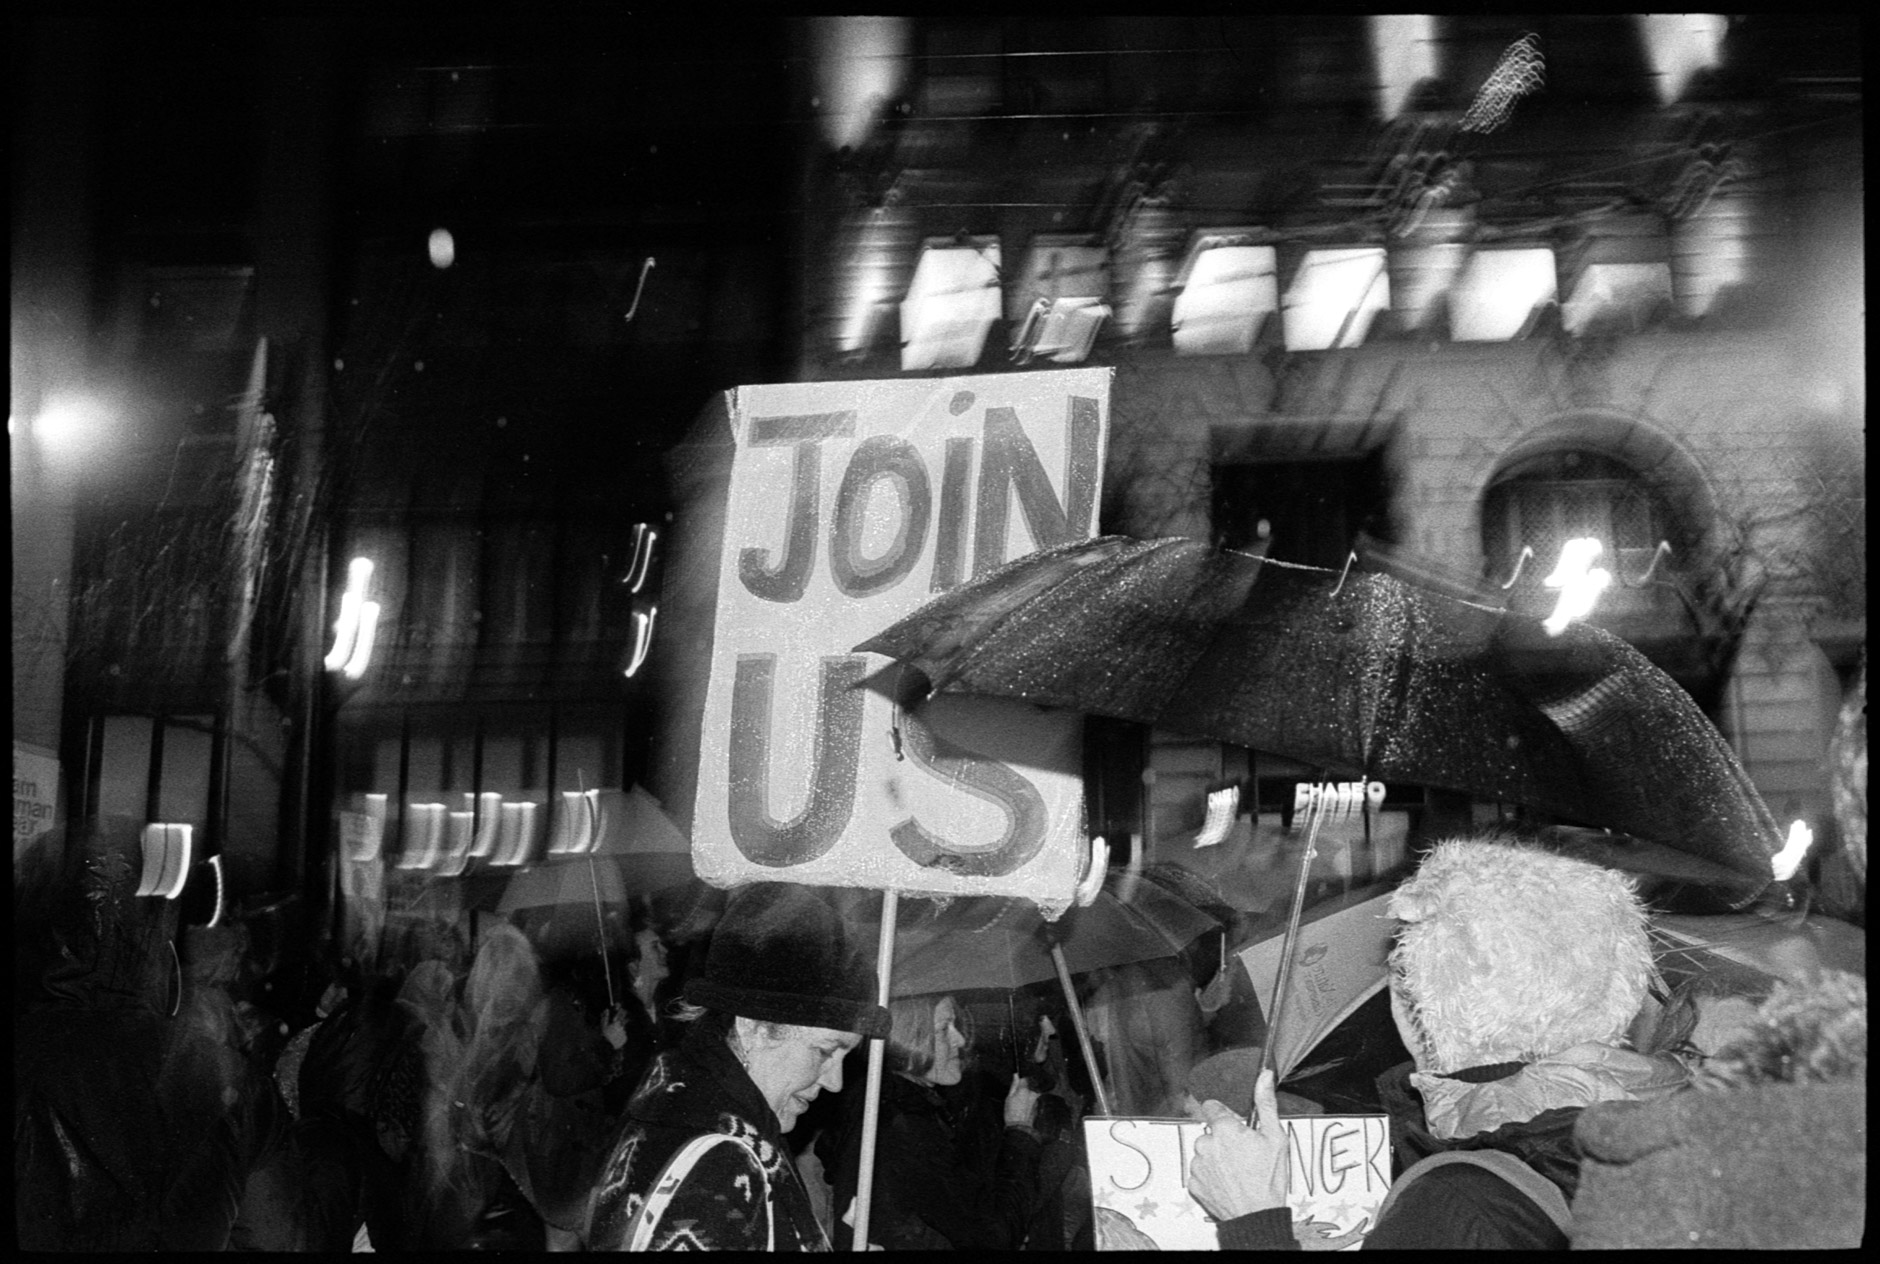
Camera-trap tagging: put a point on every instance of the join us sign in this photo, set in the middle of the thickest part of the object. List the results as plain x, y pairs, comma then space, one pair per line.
813, 516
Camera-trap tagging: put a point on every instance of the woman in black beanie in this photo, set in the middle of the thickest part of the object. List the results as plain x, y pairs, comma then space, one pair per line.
701, 1163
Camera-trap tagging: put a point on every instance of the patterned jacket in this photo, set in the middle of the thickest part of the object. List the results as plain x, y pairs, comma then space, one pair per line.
728, 1202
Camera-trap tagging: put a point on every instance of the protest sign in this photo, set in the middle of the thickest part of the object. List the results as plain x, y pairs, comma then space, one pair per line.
1339, 1172
1339, 964
812, 516
35, 794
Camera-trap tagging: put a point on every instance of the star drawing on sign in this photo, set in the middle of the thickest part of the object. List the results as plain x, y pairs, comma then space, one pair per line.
1146, 1208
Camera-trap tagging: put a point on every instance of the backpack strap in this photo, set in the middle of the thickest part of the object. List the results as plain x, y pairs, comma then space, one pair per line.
677, 1168
1543, 1192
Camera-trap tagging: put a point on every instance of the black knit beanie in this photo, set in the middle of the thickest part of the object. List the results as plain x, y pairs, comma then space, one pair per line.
779, 955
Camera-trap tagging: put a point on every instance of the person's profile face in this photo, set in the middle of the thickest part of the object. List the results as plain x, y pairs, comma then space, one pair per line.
794, 1066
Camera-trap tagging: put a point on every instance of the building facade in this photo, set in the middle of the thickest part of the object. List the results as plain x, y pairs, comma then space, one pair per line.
1436, 294
1439, 293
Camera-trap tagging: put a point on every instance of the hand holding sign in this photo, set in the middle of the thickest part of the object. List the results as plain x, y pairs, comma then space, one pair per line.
1238, 1170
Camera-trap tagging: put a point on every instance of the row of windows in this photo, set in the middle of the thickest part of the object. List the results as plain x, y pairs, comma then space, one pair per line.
1236, 288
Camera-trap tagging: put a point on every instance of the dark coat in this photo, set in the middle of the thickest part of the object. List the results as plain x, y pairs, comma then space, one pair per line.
936, 1188
729, 1202
1451, 1208
132, 1130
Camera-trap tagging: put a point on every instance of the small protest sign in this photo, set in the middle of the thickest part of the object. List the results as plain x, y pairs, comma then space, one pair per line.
1339, 1172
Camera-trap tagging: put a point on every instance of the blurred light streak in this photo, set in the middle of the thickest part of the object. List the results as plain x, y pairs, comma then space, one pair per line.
639, 286
215, 863
1579, 581
166, 851
361, 656
351, 606
1220, 818
645, 541
642, 640
1521, 71
1786, 862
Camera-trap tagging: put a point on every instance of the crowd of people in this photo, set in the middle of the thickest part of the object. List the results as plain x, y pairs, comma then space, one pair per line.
1545, 1086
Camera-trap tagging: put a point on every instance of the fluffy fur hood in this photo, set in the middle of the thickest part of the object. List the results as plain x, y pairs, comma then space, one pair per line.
1509, 953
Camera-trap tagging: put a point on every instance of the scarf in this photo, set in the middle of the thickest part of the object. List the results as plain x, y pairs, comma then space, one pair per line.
1577, 1076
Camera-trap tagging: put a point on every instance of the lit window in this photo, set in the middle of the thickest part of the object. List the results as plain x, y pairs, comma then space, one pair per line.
1680, 45
1058, 304
1622, 296
1499, 292
1226, 288
1535, 507
951, 303
1334, 298
1403, 50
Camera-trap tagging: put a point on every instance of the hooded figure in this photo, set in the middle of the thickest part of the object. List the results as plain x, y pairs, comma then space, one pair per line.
1514, 979
701, 1162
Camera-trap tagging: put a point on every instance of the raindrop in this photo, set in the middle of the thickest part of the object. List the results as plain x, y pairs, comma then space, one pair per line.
417, 366
501, 422
443, 248
338, 365
961, 401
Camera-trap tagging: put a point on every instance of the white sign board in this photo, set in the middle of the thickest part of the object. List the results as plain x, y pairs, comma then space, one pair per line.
1338, 1174
849, 505
35, 795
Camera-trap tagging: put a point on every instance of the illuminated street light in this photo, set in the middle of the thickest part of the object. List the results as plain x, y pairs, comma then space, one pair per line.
68, 423
1579, 582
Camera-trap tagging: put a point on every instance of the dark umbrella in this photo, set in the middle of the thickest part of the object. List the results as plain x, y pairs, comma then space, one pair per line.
1361, 674
993, 942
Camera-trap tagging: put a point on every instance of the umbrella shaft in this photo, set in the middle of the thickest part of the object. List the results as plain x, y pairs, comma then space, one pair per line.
1083, 1032
871, 1104
1267, 1058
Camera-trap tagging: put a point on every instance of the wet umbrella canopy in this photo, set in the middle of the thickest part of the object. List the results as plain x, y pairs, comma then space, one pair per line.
1361, 674
995, 942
